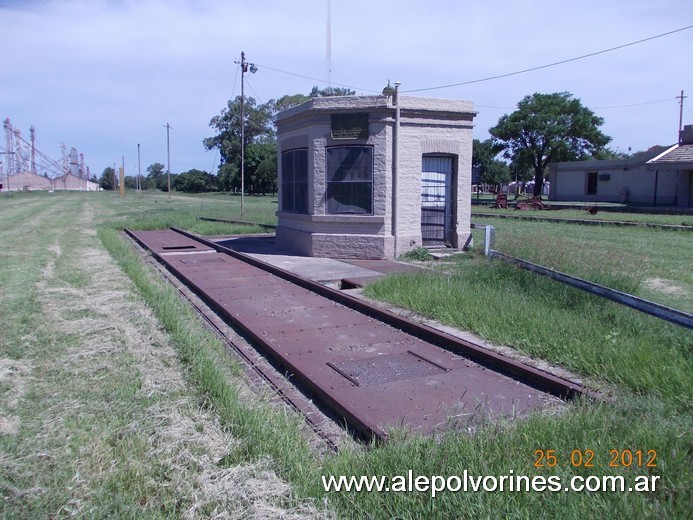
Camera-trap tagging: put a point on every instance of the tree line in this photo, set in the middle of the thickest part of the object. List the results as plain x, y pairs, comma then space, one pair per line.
545, 128
260, 138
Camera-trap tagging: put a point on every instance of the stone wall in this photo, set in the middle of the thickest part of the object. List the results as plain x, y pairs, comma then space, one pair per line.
427, 126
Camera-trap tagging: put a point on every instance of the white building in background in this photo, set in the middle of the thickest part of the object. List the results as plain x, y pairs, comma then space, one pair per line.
360, 177
663, 180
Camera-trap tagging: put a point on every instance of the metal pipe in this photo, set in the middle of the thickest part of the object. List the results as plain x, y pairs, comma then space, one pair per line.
395, 164
634, 302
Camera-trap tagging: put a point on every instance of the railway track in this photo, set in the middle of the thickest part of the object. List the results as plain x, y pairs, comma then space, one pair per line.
365, 365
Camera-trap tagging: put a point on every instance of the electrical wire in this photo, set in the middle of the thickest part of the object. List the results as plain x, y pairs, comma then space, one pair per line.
257, 98
635, 104
499, 76
316, 79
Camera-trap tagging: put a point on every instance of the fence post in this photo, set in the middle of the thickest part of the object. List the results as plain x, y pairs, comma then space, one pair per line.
489, 239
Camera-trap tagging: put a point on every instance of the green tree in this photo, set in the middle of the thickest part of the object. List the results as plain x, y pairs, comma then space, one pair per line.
331, 91
260, 140
107, 180
259, 128
289, 101
156, 177
194, 181
261, 167
156, 170
546, 128
130, 182
493, 170
229, 178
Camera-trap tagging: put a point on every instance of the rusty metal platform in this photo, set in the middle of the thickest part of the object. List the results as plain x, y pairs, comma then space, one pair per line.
373, 374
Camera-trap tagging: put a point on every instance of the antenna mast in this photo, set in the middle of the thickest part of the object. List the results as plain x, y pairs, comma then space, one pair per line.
328, 44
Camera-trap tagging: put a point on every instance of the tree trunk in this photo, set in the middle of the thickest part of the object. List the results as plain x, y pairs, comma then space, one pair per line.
538, 181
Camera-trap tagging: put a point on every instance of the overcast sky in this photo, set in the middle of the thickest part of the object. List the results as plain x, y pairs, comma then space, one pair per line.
105, 75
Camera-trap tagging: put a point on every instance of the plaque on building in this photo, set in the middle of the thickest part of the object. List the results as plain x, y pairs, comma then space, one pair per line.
350, 126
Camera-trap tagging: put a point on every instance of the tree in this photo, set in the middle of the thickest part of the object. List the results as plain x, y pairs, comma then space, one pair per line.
156, 177
229, 178
331, 91
547, 128
650, 153
289, 101
107, 180
260, 139
155, 170
194, 181
261, 167
493, 171
130, 182
259, 128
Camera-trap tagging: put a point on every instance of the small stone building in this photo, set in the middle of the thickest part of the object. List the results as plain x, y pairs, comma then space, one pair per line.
373, 176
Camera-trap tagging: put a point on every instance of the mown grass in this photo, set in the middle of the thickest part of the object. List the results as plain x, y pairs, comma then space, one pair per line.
581, 214
68, 424
644, 365
651, 263
201, 352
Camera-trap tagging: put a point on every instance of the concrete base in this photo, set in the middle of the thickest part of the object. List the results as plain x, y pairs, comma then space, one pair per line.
367, 247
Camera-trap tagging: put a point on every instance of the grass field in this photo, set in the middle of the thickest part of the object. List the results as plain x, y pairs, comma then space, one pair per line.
115, 401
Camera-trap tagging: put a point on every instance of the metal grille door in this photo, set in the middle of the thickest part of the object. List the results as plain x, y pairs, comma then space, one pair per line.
436, 201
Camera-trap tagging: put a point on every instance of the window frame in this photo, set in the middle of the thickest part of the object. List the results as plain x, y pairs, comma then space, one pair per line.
346, 184
293, 188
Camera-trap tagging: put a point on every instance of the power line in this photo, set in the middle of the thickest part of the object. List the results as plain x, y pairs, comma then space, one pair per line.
594, 108
635, 104
257, 98
316, 79
552, 64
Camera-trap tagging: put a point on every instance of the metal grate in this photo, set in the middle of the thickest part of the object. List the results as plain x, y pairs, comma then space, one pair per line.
436, 200
193, 261
386, 368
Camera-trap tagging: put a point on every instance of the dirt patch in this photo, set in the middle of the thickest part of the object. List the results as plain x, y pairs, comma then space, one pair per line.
664, 286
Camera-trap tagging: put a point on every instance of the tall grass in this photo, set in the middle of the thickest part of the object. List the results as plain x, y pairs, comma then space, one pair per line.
547, 320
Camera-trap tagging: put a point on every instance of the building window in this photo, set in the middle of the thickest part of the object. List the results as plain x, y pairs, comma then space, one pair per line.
295, 181
349, 176
592, 178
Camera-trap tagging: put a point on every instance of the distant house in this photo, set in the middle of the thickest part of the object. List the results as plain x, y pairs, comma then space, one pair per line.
678, 161
663, 180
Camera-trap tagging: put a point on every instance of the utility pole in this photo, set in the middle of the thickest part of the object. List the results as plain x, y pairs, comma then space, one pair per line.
244, 68
139, 171
681, 98
328, 45
121, 180
168, 156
